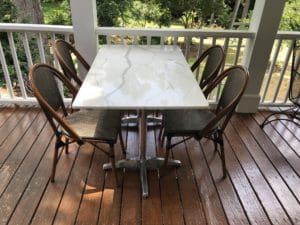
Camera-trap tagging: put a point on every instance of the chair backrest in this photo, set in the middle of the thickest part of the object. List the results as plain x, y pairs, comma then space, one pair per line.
64, 50
233, 89
294, 92
214, 57
43, 82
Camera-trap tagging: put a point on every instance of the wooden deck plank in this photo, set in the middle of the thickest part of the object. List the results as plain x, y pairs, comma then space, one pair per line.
70, 202
14, 191
11, 123
51, 198
292, 141
12, 138
90, 205
233, 208
10, 166
110, 205
190, 199
34, 191
170, 195
211, 202
283, 167
280, 144
261, 187
5, 113
151, 207
131, 196
271, 174
259, 184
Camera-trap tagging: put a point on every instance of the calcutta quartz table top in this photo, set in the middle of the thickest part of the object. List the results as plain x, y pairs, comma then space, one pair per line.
140, 77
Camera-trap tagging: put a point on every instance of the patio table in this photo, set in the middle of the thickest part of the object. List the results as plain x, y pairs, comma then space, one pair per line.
125, 77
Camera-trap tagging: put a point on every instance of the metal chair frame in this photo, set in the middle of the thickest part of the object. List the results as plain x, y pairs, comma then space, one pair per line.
293, 112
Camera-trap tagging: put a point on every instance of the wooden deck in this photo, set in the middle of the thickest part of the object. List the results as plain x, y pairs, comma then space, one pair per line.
262, 186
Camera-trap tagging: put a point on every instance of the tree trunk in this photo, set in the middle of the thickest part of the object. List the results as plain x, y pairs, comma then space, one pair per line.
29, 11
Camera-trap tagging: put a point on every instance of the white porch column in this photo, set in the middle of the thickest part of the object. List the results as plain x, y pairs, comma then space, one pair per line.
84, 19
264, 22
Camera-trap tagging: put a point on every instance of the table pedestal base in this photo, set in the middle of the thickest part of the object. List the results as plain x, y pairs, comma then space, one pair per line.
143, 165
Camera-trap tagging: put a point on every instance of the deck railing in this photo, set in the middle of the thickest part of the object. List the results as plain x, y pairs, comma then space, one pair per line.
28, 44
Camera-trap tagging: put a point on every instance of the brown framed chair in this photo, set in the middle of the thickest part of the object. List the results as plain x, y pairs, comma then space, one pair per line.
199, 123
93, 126
213, 58
294, 93
64, 51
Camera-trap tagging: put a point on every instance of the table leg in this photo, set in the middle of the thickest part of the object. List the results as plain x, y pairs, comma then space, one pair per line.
142, 150
142, 163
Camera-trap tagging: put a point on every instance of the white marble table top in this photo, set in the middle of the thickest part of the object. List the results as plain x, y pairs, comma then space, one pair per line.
140, 77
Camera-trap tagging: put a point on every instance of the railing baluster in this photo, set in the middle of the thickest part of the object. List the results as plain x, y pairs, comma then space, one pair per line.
200, 50
41, 47
187, 41
6, 73
16, 63
67, 37
148, 40
175, 40
162, 40
288, 89
27, 50
289, 52
56, 63
238, 50
108, 39
271, 70
226, 43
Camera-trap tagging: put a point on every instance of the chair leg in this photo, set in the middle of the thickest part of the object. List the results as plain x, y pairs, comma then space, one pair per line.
67, 146
113, 164
215, 141
123, 146
54, 162
168, 147
223, 156
160, 132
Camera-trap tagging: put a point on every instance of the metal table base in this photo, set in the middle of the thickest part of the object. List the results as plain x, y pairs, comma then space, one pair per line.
142, 163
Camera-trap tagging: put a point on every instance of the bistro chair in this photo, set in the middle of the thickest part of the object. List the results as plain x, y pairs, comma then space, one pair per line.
294, 93
211, 59
93, 126
199, 123
64, 52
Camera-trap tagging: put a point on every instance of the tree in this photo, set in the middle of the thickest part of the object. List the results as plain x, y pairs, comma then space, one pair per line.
290, 20
113, 12
196, 13
29, 11
149, 12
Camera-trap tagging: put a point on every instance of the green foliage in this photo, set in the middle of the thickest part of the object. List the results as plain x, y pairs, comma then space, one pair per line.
291, 18
113, 12
8, 12
57, 12
149, 12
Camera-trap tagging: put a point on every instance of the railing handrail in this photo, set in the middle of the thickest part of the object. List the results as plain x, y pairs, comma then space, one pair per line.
22, 27
174, 32
291, 35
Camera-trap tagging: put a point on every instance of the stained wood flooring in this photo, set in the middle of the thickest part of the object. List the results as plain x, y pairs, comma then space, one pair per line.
262, 186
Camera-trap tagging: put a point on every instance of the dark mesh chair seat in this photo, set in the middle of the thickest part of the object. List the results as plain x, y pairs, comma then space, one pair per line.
192, 121
96, 124
197, 123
